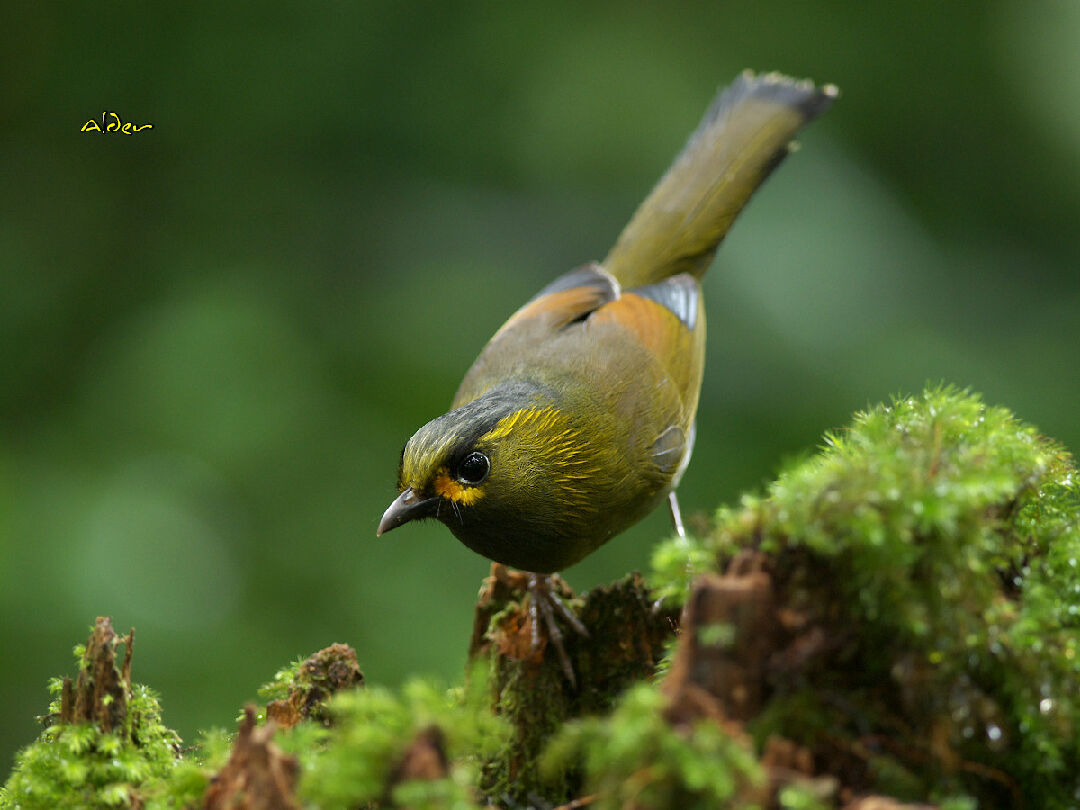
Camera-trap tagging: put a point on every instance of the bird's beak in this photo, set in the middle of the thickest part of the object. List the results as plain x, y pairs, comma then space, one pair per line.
407, 506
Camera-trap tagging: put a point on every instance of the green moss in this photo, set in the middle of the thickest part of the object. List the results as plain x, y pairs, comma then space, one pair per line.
185, 784
675, 564
301, 690
919, 638
800, 797
625, 642
79, 765
435, 794
358, 759
936, 544
283, 682
635, 758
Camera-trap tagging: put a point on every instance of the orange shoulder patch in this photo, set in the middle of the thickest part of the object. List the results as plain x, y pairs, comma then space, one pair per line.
655, 326
680, 351
557, 309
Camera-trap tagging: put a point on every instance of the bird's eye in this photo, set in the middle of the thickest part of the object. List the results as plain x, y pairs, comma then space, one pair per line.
473, 468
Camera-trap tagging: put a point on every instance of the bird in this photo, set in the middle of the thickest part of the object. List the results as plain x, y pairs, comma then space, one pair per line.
578, 417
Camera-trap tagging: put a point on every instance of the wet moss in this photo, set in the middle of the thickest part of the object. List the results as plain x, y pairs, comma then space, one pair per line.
925, 588
419, 748
104, 744
636, 758
897, 616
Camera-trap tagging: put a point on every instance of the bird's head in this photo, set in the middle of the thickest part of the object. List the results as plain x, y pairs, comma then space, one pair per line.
444, 468
503, 467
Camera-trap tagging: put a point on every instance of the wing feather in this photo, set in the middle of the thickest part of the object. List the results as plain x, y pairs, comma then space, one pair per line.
570, 297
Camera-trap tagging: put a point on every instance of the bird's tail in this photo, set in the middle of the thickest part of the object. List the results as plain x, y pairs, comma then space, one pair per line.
744, 135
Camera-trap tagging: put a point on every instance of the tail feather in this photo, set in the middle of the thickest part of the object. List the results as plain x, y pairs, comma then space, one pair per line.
744, 135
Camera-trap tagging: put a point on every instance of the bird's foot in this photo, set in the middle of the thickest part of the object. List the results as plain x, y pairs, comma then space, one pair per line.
544, 604
538, 620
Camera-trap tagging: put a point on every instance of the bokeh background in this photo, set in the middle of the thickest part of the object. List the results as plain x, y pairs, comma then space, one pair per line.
216, 335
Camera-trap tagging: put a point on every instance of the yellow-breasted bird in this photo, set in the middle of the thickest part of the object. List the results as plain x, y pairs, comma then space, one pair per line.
577, 418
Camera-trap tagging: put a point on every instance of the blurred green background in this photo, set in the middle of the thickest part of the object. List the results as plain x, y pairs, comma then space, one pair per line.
216, 335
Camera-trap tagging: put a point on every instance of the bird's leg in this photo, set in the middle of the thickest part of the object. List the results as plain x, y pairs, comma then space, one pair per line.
676, 514
543, 604
563, 608
680, 532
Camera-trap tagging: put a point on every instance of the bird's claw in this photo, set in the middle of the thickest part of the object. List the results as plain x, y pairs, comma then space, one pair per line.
543, 604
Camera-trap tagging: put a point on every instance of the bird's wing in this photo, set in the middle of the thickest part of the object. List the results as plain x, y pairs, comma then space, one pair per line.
583, 327
680, 295
512, 352
667, 319
571, 297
